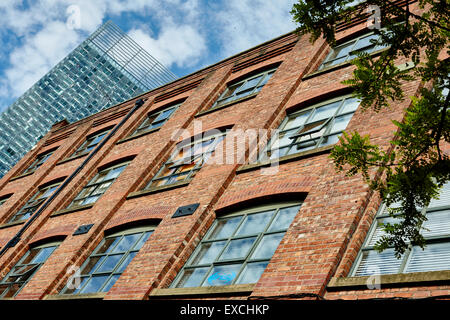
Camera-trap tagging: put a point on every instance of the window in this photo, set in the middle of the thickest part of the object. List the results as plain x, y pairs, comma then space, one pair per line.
436, 231
33, 204
244, 88
90, 143
98, 185
155, 120
238, 247
347, 51
3, 200
24, 270
40, 159
314, 127
108, 261
186, 160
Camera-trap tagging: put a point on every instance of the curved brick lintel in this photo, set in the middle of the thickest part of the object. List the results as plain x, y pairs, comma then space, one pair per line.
134, 215
53, 232
230, 199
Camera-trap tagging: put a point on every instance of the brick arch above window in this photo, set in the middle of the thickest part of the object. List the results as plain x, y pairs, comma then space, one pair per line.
313, 97
148, 215
292, 189
116, 159
51, 235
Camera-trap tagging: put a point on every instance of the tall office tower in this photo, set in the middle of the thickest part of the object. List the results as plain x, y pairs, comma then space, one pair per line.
105, 69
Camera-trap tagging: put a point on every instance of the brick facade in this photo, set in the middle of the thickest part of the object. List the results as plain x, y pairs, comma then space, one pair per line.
321, 243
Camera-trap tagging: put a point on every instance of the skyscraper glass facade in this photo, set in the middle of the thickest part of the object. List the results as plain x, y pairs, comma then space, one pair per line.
105, 69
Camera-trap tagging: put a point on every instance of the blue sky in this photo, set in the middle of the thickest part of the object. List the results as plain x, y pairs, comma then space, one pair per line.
184, 35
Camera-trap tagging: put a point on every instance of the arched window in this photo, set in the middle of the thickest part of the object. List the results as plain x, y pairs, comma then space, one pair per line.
24, 270
238, 247
108, 261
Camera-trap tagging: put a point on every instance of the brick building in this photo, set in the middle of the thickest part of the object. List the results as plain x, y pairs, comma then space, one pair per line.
134, 202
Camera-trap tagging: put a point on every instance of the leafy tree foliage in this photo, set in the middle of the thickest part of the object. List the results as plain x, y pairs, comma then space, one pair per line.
414, 167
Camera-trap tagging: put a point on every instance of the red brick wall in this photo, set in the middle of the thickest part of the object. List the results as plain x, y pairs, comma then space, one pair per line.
322, 241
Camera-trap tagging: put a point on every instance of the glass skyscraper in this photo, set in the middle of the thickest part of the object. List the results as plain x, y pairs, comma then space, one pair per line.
105, 69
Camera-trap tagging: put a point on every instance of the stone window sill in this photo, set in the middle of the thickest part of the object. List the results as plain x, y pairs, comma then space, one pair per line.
22, 175
11, 224
391, 280
285, 159
137, 135
239, 289
72, 209
75, 296
226, 105
145, 192
72, 158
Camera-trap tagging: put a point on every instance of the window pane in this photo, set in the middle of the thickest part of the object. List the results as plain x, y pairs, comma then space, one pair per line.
340, 123
110, 283
252, 272
92, 264
297, 121
143, 239
325, 111
267, 246
222, 275
437, 225
434, 257
208, 252
125, 262
94, 284
192, 277
373, 262
284, 218
127, 242
255, 223
109, 263
43, 254
350, 104
224, 228
237, 249
107, 245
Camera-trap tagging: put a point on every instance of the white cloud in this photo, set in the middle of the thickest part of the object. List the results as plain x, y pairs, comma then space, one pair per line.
182, 45
243, 24
38, 55
187, 30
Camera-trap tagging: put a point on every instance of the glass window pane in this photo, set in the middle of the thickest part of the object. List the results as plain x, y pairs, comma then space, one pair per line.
350, 104
434, 257
224, 228
252, 272
125, 262
237, 249
267, 246
325, 111
340, 123
297, 121
329, 140
143, 239
192, 277
373, 262
284, 218
127, 242
110, 283
43, 254
107, 245
109, 263
208, 253
94, 284
255, 223
92, 264
222, 275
